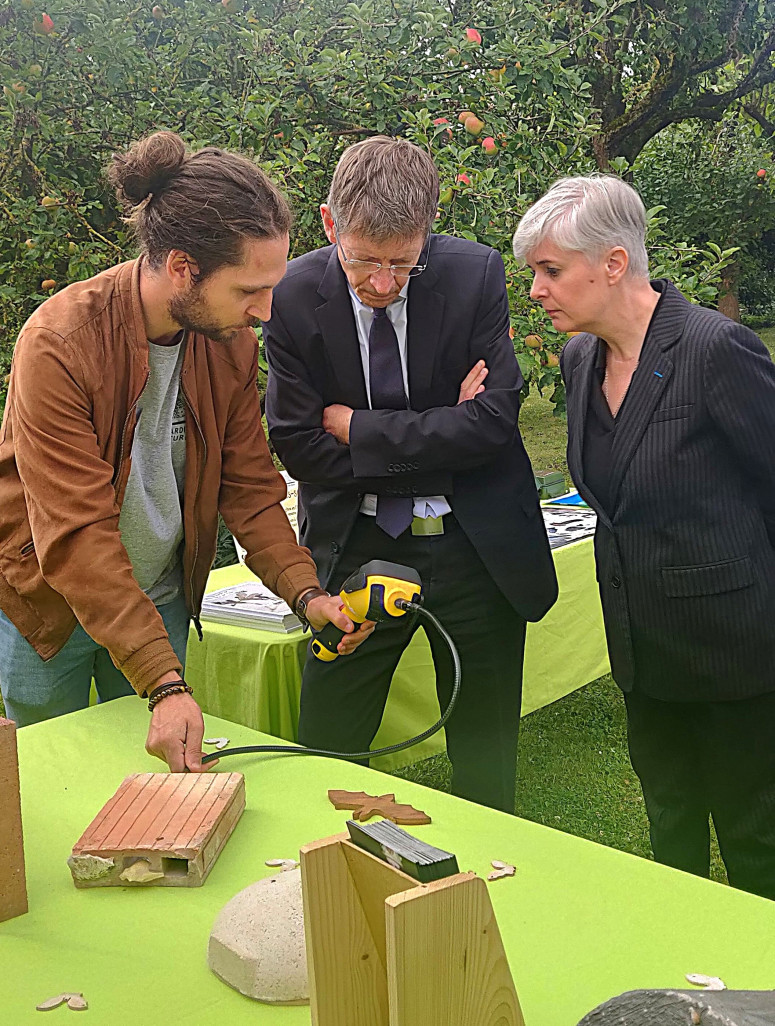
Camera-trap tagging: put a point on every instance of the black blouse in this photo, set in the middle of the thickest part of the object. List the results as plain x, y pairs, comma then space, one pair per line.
600, 426
599, 431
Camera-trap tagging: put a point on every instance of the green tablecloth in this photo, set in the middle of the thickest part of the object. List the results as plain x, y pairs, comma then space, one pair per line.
580, 922
253, 677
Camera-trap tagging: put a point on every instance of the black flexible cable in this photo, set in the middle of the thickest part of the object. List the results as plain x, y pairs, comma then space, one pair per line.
415, 607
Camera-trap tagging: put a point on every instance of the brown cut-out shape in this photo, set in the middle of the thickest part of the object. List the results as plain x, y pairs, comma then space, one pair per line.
365, 806
354, 799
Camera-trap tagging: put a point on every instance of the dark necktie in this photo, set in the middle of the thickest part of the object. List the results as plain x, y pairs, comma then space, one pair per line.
386, 384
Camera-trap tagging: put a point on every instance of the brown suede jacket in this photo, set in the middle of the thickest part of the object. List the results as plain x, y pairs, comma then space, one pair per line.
79, 368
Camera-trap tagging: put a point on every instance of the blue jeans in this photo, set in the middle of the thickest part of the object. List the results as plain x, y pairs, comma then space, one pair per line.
34, 690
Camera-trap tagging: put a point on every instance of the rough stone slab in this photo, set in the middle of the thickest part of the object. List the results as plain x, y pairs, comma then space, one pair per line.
686, 1008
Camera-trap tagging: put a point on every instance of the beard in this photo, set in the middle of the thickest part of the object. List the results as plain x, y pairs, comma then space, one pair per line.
192, 312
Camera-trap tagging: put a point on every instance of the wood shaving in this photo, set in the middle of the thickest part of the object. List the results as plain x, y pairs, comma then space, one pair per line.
284, 864
500, 869
219, 742
75, 1001
49, 1003
706, 982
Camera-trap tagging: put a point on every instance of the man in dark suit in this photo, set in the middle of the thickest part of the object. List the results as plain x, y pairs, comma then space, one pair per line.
393, 397
671, 439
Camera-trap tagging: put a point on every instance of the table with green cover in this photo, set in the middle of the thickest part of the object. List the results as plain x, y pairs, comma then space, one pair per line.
253, 676
580, 923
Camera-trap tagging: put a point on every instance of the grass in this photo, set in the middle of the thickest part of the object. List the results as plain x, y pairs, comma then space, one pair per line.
767, 336
545, 435
574, 772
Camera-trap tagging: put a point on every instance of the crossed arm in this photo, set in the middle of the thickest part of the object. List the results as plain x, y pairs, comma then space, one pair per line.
337, 447
336, 418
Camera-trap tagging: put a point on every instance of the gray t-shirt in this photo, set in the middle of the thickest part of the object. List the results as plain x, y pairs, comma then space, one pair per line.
151, 521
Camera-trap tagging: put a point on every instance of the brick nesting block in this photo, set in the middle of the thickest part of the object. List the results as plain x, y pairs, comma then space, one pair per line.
13, 883
159, 829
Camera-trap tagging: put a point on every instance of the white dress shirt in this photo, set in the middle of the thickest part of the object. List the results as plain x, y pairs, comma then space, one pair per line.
426, 505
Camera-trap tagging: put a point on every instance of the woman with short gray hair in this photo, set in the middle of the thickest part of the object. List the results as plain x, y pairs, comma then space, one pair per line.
671, 420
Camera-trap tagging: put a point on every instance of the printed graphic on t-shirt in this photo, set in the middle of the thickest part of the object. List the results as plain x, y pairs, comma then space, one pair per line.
179, 420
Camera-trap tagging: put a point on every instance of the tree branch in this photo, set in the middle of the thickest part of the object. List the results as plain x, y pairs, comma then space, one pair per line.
768, 127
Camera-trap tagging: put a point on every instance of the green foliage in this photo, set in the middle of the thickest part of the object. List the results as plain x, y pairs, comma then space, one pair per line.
225, 552
292, 82
652, 64
717, 182
695, 271
757, 281
689, 168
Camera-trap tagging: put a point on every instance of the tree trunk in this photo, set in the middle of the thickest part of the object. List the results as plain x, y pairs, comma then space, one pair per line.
601, 152
728, 302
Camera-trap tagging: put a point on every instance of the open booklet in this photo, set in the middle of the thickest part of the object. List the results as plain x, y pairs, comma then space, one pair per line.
568, 523
251, 604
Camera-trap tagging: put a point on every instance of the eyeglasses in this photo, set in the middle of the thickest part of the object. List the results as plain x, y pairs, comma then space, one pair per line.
367, 267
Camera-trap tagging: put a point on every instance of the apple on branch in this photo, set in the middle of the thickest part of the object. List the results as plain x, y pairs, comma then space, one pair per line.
44, 26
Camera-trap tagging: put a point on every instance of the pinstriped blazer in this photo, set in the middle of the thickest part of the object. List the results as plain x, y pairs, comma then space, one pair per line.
686, 560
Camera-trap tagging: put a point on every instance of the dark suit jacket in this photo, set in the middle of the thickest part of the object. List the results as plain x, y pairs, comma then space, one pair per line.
472, 453
685, 562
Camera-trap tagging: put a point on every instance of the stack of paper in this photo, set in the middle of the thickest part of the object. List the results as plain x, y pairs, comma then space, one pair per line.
250, 605
566, 524
403, 851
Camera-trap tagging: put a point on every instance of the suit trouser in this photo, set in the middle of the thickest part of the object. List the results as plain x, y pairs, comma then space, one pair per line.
698, 760
342, 702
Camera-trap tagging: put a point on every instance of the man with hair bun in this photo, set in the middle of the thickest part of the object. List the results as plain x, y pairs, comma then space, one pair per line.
132, 419
393, 397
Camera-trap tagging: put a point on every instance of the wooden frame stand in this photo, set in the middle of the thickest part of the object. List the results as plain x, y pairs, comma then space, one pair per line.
386, 950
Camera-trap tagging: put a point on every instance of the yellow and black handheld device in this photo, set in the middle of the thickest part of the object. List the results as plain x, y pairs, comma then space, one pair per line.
379, 591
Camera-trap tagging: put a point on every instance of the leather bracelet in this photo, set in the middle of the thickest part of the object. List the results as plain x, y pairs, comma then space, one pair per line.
167, 684
301, 603
170, 688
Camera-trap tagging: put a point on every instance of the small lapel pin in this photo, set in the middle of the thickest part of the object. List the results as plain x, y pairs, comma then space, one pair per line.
657, 374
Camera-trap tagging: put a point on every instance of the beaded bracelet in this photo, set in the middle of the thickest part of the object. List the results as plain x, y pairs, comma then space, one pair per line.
171, 688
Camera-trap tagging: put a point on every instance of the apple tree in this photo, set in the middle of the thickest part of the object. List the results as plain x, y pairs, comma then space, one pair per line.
502, 95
